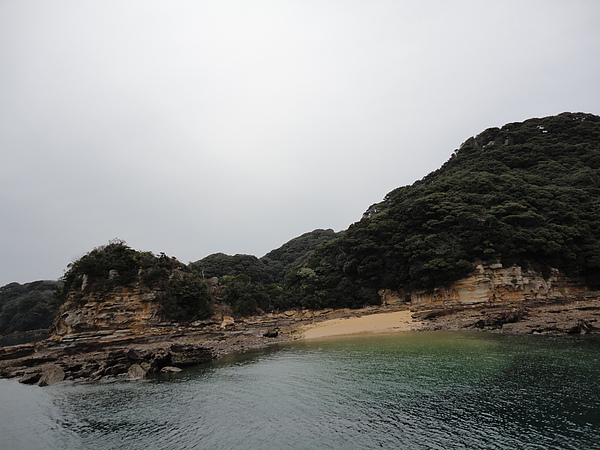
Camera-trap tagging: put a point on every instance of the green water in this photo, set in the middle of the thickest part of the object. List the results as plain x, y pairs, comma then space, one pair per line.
406, 390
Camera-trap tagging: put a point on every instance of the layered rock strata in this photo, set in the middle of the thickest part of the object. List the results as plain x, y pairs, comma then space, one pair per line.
124, 308
494, 284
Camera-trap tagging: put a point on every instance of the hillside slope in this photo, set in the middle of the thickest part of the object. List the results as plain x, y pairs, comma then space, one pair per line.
527, 194
272, 267
26, 307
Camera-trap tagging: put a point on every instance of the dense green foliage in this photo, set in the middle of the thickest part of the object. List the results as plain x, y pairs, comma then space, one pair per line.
183, 294
246, 281
252, 285
527, 194
115, 264
270, 268
247, 298
220, 264
28, 306
295, 252
185, 298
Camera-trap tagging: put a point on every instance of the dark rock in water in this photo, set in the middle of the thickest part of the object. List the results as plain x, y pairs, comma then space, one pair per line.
30, 378
497, 319
189, 354
582, 327
52, 374
426, 315
271, 333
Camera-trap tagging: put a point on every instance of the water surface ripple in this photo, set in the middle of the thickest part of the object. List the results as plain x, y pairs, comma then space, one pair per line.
406, 390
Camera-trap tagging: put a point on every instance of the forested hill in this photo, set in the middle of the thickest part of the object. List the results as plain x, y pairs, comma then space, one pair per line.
25, 307
272, 267
527, 193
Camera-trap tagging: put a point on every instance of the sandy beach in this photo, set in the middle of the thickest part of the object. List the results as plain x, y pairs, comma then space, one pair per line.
372, 323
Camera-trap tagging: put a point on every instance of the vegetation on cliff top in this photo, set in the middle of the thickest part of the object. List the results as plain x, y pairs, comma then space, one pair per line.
527, 193
25, 307
250, 285
272, 267
183, 295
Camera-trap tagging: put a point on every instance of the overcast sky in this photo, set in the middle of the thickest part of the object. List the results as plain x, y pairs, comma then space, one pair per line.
195, 127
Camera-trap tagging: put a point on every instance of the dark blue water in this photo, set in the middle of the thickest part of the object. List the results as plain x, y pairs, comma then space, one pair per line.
406, 390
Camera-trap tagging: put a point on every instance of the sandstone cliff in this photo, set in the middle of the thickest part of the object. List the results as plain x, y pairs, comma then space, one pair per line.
497, 285
132, 309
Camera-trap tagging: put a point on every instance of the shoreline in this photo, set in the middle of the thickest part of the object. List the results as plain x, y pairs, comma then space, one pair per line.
124, 354
377, 323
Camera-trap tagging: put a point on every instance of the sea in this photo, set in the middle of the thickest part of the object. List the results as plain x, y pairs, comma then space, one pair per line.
410, 390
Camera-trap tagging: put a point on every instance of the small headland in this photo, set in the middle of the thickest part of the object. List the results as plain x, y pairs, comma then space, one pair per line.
129, 354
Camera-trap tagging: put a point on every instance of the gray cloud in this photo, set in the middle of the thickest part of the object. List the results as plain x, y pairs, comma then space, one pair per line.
195, 127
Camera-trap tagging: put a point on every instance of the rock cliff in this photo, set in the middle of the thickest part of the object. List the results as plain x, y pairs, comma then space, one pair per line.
497, 285
133, 309
510, 299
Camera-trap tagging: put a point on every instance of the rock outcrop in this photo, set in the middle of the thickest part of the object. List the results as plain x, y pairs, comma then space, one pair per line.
560, 318
51, 374
496, 285
123, 308
52, 362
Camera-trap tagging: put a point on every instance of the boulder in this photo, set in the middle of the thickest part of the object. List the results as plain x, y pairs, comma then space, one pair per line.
170, 369
228, 321
52, 374
30, 378
271, 332
136, 371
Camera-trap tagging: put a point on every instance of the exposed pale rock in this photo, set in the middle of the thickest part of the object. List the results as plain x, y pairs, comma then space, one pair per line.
497, 285
130, 308
84, 282
170, 369
136, 371
389, 297
52, 374
227, 321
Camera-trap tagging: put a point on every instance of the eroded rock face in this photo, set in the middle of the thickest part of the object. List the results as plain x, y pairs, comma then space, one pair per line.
189, 354
126, 360
122, 308
495, 284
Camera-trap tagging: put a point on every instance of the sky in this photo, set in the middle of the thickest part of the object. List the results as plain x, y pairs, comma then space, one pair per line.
201, 126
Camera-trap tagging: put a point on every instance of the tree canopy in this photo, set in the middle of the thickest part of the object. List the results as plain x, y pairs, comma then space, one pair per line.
183, 295
527, 193
29, 306
270, 268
